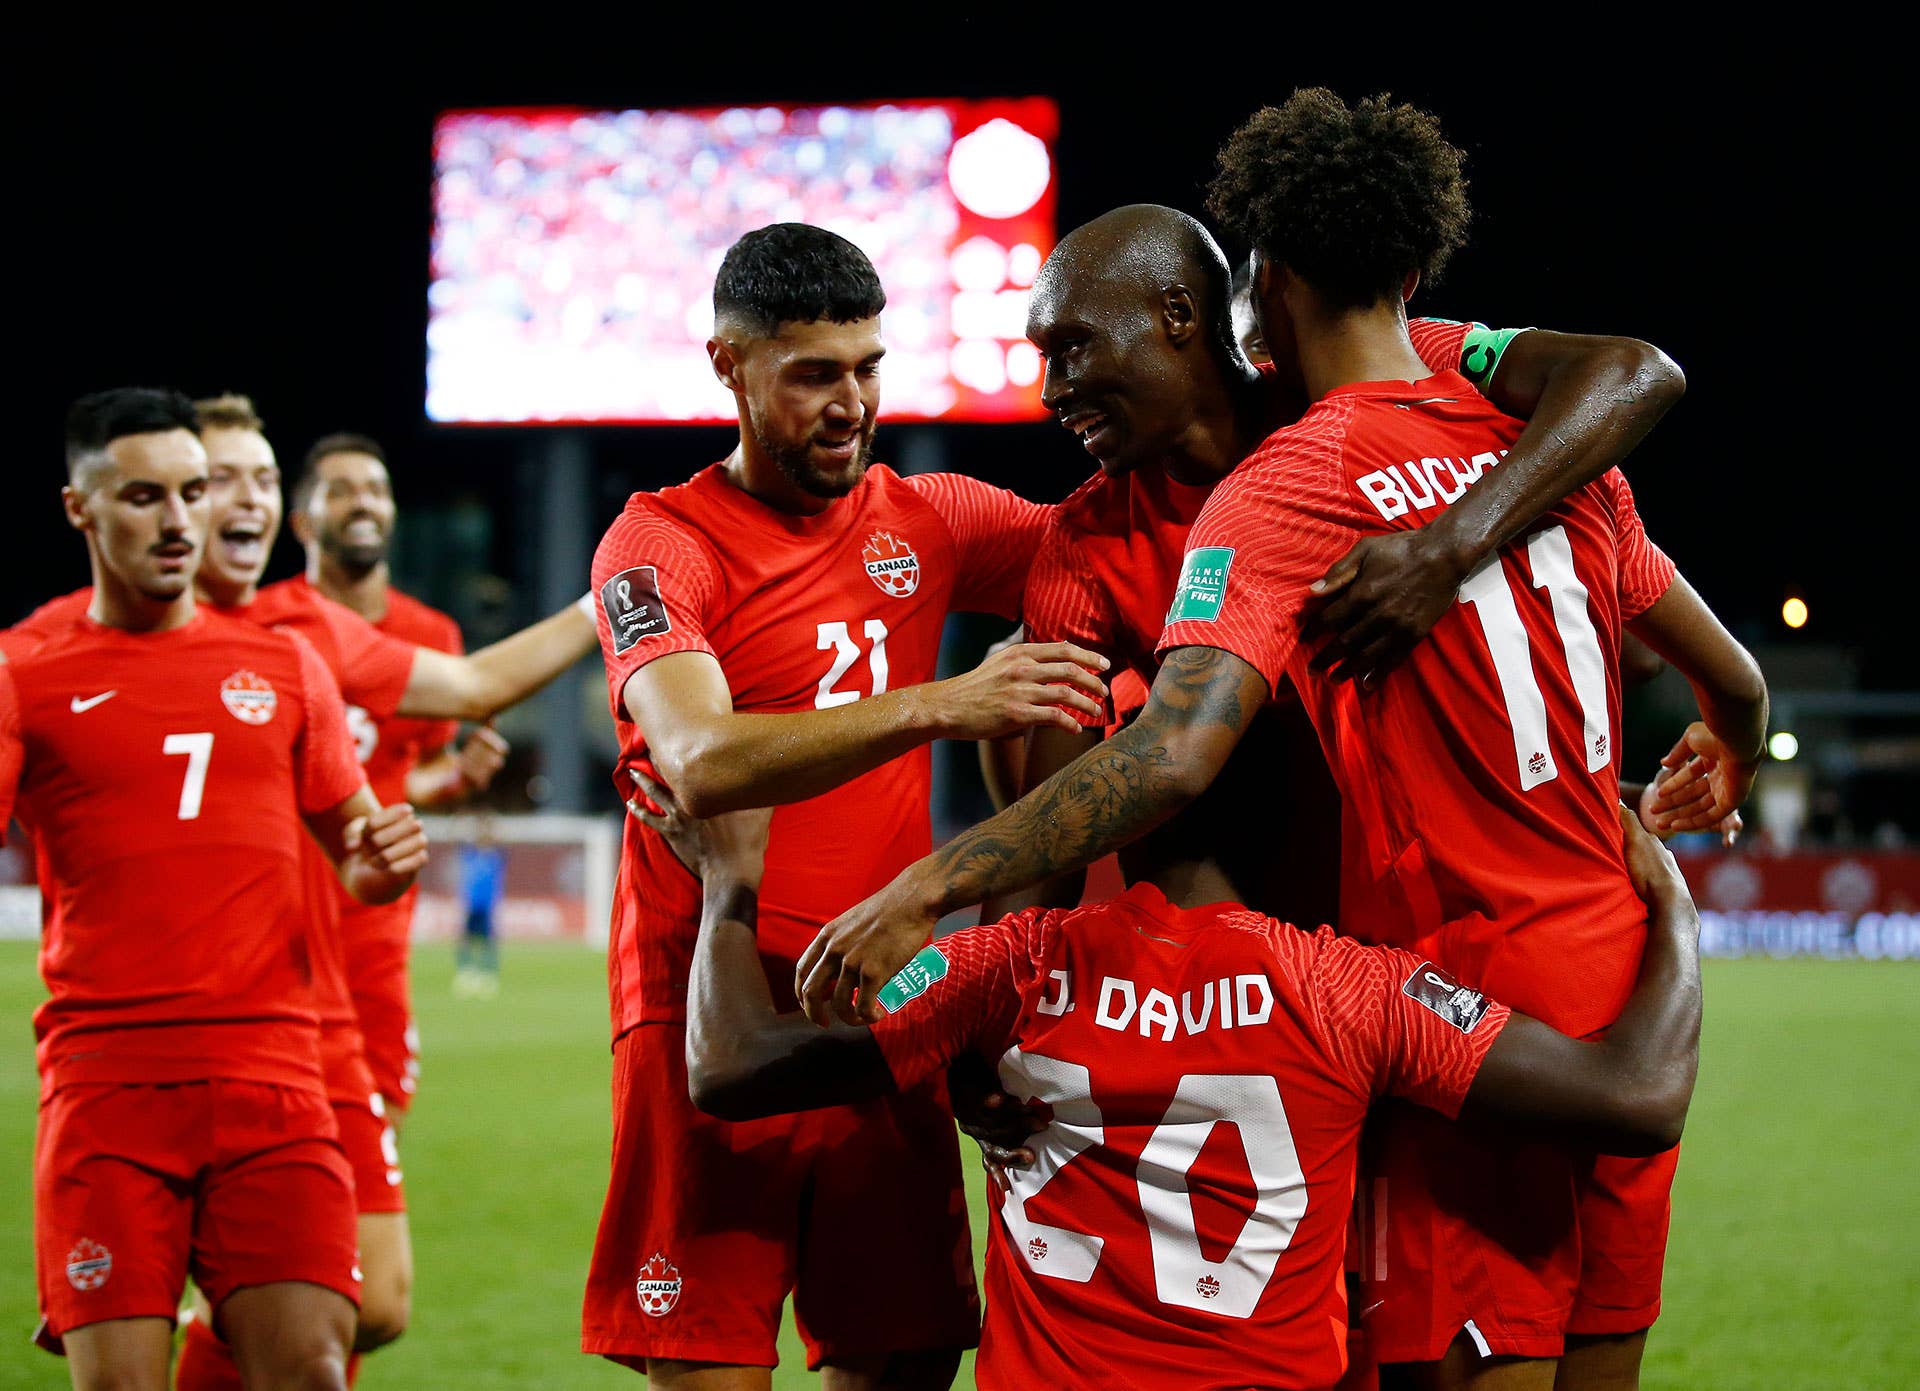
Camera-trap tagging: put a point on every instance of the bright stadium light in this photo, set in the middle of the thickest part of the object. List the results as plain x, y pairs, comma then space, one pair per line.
1783, 746
1794, 612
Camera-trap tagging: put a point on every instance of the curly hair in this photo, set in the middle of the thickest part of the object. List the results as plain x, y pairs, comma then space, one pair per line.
1349, 199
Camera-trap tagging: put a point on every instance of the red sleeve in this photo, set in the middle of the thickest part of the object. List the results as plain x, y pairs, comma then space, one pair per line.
1398, 1025
961, 993
1063, 602
1271, 528
374, 666
995, 534
26, 636
13, 751
656, 586
326, 765
1646, 573
1439, 342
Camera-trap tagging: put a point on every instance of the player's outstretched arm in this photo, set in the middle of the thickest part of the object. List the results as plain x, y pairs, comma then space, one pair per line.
1588, 402
456, 773
377, 851
1047, 752
482, 684
1200, 705
1627, 1093
718, 759
744, 1059
1711, 769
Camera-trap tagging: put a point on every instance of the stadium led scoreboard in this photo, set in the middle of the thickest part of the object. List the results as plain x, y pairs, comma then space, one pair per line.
574, 251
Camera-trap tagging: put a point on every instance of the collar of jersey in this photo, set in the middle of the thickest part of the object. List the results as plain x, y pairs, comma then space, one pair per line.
1439, 384
837, 516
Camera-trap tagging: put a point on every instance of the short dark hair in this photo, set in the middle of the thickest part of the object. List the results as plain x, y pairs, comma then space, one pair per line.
1349, 199
792, 273
324, 448
228, 411
101, 417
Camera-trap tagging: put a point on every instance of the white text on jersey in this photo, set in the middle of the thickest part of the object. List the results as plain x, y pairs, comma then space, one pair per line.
1423, 483
1237, 1002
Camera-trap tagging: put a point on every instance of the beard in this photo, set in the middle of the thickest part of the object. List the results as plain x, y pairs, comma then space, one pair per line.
357, 558
795, 463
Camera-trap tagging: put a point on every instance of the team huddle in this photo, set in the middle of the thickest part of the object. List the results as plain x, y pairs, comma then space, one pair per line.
1333, 635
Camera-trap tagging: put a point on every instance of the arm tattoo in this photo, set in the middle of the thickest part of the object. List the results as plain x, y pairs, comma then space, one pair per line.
1114, 793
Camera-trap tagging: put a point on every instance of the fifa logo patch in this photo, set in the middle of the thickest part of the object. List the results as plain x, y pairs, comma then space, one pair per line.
633, 607
88, 1265
658, 1287
1436, 990
915, 979
250, 699
891, 564
1203, 583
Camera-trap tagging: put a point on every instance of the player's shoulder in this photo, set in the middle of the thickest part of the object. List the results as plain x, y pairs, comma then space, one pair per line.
1095, 508
682, 516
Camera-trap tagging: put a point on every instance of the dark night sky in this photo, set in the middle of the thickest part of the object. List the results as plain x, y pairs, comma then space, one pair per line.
253, 215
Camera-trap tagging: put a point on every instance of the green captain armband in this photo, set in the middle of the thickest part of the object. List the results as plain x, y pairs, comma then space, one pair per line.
1482, 349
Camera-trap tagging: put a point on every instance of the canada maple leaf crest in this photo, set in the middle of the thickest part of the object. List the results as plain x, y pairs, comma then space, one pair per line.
1036, 1250
88, 1265
891, 564
1206, 1287
249, 697
658, 1287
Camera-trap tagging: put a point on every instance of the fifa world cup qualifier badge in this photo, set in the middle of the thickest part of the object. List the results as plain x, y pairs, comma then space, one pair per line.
1436, 990
1203, 583
634, 610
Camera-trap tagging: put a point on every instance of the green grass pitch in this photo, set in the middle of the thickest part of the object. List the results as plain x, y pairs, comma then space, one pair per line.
1794, 1249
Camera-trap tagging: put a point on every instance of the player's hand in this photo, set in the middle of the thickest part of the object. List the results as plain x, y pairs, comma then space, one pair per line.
734, 843
1655, 874
1017, 687
1702, 783
861, 950
1728, 829
481, 757
997, 1121
391, 840
1377, 602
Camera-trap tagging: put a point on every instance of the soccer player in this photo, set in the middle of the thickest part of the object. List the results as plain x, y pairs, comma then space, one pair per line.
170, 762
343, 514
770, 630
1482, 771
1207, 1070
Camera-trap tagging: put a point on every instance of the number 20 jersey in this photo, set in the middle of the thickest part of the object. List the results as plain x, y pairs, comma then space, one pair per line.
802, 613
1207, 1071
1484, 772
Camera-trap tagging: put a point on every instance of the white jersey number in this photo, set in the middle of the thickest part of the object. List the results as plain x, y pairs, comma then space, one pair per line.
1550, 555
1182, 1275
834, 638
363, 731
199, 751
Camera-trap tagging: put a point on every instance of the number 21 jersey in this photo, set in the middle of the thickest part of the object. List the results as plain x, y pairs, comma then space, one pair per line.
802, 613
1484, 772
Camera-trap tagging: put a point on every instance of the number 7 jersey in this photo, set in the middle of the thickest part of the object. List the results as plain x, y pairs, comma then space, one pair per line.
802, 613
1484, 772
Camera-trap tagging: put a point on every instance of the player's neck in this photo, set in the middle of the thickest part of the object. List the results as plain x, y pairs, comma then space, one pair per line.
1343, 346
1193, 883
756, 475
1224, 428
365, 594
227, 596
116, 604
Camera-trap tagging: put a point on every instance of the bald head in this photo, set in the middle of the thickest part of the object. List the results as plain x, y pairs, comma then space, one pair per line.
1145, 246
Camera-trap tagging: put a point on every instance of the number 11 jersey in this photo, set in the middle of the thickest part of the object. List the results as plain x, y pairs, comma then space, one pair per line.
1484, 772
802, 613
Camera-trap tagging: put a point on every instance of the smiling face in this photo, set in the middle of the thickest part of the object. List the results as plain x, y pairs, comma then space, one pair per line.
809, 397
144, 507
350, 510
1114, 376
245, 497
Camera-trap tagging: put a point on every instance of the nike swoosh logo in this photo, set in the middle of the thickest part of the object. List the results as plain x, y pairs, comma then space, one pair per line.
80, 707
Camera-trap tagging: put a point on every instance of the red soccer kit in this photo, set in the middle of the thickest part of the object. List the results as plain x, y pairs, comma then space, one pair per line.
802, 613
183, 1122
1104, 578
1482, 775
377, 936
1208, 1071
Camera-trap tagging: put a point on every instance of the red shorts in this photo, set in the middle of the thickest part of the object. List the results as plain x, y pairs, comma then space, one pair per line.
859, 1210
1514, 1241
137, 1186
373, 1153
377, 964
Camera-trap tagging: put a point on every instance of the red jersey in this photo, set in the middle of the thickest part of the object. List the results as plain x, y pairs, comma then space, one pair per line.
390, 745
802, 613
1208, 1071
49, 619
164, 776
1482, 773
